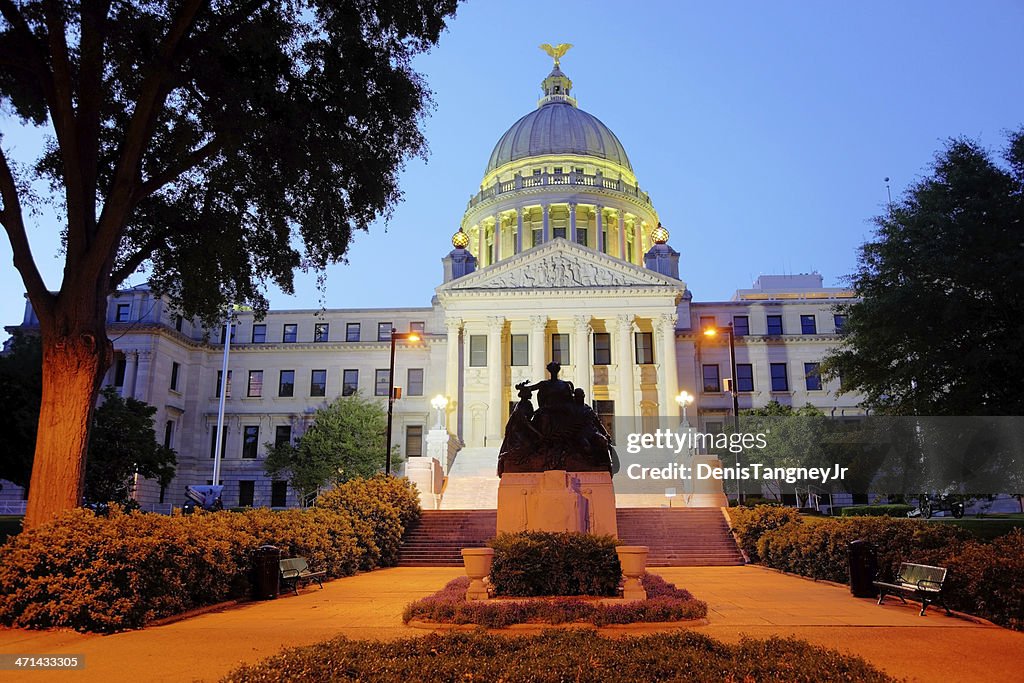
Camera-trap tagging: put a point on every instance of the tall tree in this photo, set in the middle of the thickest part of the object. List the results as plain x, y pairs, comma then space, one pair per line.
122, 444
219, 143
345, 441
939, 328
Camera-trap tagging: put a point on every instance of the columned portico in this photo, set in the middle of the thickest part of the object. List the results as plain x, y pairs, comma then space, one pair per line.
495, 411
538, 362
668, 377
451, 379
625, 407
582, 360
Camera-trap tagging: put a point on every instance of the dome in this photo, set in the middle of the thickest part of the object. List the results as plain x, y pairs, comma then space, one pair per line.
558, 127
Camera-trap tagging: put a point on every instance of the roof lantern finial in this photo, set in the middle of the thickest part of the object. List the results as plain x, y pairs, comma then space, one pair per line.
557, 85
557, 52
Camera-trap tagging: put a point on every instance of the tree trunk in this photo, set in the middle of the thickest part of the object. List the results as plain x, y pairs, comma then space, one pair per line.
74, 361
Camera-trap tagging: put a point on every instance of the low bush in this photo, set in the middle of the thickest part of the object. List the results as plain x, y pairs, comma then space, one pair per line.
559, 655
124, 570
749, 524
889, 510
664, 602
549, 563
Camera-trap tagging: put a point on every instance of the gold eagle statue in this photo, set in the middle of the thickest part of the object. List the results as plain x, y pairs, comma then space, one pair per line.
557, 51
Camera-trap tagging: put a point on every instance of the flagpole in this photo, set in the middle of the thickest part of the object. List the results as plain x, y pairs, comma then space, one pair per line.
218, 436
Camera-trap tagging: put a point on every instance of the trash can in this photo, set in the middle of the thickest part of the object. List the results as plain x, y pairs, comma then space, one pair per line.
266, 580
863, 569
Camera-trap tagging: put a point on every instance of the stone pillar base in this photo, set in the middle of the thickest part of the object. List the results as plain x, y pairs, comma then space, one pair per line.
556, 500
428, 476
707, 493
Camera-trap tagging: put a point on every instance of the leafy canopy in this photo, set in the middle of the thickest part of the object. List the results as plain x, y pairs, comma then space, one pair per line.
345, 441
937, 330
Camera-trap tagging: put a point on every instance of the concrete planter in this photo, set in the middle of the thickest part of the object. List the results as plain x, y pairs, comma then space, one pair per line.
633, 559
478, 567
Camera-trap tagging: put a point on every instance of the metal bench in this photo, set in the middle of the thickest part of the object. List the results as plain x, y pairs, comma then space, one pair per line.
296, 569
917, 580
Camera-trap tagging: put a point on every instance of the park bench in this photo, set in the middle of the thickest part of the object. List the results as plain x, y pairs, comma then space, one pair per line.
296, 569
917, 580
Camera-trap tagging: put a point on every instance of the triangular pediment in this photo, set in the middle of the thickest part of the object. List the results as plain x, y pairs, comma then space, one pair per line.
561, 264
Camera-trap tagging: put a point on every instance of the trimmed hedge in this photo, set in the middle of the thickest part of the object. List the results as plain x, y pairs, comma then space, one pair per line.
125, 570
983, 578
533, 563
749, 524
559, 655
664, 602
890, 510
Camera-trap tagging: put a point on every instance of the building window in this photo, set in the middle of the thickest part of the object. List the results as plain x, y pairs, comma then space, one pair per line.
714, 427
602, 348
381, 382
250, 441
179, 322
774, 324
286, 383
282, 435
259, 334
520, 349
560, 349
606, 414
808, 325
415, 385
220, 377
175, 371
246, 493
169, 434
708, 322
349, 382
581, 236
384, 331
477, 351
413, 441
290, 334
840, 321
538, 236
223, 442
744, 377
124, 312
120, 368
712, 382
780, 382
418, 327
644, 348
740, 325
812, 376
352, 332
278, 494
558, 232
321, 332
224, 330
255, 384
318, 383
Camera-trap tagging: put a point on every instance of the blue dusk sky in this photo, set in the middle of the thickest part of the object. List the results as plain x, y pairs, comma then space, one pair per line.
762, 131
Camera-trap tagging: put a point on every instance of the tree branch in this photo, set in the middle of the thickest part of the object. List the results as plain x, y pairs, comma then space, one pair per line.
173, 172
12, 218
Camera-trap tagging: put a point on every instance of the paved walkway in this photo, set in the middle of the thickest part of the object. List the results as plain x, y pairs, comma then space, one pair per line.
742, 600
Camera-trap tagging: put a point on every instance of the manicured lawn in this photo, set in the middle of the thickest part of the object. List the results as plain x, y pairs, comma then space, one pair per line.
983, 529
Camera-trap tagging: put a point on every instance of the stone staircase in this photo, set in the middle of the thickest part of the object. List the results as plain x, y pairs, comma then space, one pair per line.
680, 537
472, 482
440, 535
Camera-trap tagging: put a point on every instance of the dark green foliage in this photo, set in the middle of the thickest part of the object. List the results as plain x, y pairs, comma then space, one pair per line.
21, 387
937, 330
557, 656
891, 510
122, 444
549, 563
664, 603
749, 524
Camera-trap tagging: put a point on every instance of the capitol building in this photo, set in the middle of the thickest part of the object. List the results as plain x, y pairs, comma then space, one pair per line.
560, 255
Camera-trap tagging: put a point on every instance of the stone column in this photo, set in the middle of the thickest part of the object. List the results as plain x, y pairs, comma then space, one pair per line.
451, 378
131, 364
538, 326
622, 234
481, 244
519, 229
668, 379
581, 355
140, 388
497, 237
626, 406
546, 234
600, 233
572, 221
638, 243
495, 410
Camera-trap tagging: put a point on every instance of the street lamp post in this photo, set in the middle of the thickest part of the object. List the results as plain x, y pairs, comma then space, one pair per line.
684, 399
711, 332
439, 403
395, 336
218, 437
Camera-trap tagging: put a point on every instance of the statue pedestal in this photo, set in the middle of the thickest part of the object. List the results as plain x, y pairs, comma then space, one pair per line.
556, 500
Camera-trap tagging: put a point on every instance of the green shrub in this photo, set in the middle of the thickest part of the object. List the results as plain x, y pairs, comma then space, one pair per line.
749, 524
112, 573
889, 510
548, 563
559, 655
